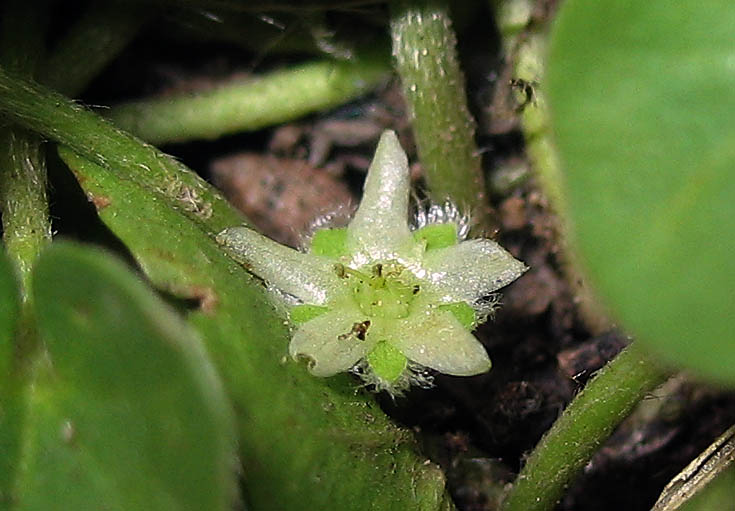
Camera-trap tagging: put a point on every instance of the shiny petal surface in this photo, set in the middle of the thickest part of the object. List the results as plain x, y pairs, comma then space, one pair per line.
329, 342
437, 340
471, 269
308, 277
380, 229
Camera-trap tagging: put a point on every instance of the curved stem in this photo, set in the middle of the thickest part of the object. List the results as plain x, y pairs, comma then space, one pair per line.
250, 104
585, 424
424, 46
58, 118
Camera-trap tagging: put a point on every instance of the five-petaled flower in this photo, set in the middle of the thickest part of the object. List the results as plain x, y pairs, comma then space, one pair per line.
380, 297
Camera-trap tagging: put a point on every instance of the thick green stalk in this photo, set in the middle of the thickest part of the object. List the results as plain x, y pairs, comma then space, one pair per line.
99, 36
424, 46
26, 224
91, 43
250, 104
585, 424
26, 230
25, 214
58, 118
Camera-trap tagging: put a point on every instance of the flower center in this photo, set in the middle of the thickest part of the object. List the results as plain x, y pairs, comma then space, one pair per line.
385, 290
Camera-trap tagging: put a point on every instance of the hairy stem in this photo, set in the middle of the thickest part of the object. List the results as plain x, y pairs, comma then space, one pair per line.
424, 46
99, 36
524, 39
585, 424
26, 224
58, 118
250, 104
26, 229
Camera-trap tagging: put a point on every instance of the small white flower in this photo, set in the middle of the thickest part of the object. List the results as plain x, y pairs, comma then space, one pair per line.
379, 298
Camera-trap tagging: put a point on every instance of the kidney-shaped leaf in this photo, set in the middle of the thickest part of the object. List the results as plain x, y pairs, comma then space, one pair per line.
128, 413
642, 97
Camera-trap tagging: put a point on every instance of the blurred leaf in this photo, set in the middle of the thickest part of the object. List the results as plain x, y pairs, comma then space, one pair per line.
126, 412
11, 403
642, 97
305, 442
9, 312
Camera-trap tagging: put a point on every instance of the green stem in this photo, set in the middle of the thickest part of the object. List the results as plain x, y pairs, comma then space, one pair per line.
58, 118
26, 224
251, 104
585, 424
94, 40
26, 230
535, 119
434, 88
25, 215
99, 36
524, 44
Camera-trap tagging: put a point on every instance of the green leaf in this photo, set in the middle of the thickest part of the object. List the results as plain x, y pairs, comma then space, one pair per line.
126, 412
329, 242
437, 235
11, 401
463, 312
304, 312
305, 442
642, 96
387, 362
9, 312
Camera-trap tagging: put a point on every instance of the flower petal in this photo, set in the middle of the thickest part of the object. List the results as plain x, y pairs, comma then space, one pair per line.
471, 270
308, 277
437, 340
331, 343
380, 225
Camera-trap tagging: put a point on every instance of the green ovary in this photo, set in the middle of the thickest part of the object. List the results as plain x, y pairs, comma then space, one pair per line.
386, 292
387, 362
383, 291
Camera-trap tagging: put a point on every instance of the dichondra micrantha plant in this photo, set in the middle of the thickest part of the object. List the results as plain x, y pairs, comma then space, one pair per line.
383, 298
